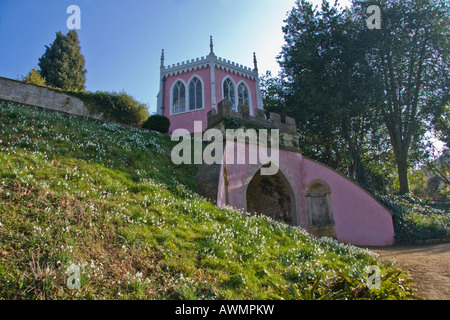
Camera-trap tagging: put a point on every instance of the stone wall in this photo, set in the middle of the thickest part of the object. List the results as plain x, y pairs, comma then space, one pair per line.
28, 94
224, 109
287, 129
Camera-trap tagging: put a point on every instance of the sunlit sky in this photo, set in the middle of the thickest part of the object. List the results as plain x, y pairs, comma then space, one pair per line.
122, 40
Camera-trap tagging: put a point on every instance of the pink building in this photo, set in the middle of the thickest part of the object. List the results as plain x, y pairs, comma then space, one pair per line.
188, 90
303, 192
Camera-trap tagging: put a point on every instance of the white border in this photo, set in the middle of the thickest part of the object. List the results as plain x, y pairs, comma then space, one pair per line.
171, 96
203, 92
249, 95
186, 92
234, 108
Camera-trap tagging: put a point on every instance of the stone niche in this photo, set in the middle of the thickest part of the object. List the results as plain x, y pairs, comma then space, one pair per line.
271, 196
319, 209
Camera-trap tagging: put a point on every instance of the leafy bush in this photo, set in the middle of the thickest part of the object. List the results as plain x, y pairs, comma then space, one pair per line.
117, 107
34, 77
416, 220
348, 287
158, 123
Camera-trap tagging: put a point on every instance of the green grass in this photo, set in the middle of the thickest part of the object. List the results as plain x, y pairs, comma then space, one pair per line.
109, 200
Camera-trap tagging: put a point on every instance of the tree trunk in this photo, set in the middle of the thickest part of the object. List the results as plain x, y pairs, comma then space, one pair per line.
402, 169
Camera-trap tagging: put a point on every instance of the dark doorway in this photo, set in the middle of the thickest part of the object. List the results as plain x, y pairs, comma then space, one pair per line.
271, 196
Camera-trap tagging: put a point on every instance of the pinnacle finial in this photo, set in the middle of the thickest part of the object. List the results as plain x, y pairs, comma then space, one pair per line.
255, 62
162, 58
211, 45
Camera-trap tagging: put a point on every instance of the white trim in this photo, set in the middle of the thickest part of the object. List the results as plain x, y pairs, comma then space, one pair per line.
213, 82
188, 96
188, 111
204, 62
235, 91
236, 68
249, 95
171, 96
186, 93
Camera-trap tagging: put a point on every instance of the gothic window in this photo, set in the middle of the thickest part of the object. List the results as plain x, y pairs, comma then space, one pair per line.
195, 94
228, 92
179, 97
243, 96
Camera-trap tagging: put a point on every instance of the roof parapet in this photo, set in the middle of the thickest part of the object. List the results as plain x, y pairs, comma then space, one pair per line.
224, 109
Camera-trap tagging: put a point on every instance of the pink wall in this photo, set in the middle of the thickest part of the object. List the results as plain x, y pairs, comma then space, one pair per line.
186, 120
359, 218
221, 74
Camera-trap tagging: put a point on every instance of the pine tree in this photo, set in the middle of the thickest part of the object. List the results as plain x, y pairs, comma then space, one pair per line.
63, 65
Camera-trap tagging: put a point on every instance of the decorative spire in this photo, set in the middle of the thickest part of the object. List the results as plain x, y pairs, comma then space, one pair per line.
255, 62
211, 45
162, 58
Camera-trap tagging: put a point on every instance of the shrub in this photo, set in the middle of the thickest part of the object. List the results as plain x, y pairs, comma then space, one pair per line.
417, 220
34, 77
117, 107
158, 123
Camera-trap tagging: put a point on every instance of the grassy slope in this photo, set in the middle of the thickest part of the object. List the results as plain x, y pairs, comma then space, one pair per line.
109, 200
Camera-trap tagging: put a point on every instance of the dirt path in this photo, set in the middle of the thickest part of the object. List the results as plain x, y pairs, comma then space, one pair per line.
428, 264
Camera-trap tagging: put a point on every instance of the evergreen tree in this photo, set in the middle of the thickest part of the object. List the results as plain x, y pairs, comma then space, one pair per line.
63, 65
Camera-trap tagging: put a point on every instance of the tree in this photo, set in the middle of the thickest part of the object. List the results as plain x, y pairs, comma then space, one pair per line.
63, 65
357, 92
410, 56
34, 77
327, 89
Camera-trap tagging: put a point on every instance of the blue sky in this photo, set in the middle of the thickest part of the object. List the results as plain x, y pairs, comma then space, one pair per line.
122, 40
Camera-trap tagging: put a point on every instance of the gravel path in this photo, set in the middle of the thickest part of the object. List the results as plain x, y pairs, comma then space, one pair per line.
428, 265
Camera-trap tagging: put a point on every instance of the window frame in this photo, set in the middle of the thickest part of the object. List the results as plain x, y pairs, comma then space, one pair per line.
234, 107
172, 107
202, 105
186, 95
240, 83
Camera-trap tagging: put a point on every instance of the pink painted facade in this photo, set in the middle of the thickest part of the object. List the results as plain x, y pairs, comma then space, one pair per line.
359, 219
320, 199
211, 71
186, 119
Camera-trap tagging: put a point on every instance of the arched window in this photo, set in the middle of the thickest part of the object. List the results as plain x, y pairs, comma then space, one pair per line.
243, 95
228, 92
179, 97
195, 94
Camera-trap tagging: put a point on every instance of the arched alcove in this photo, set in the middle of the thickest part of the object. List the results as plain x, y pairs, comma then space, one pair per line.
319, 209
272, 196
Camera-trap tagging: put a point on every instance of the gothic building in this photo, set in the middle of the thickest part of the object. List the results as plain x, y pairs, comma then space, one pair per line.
190, 89
300, 192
